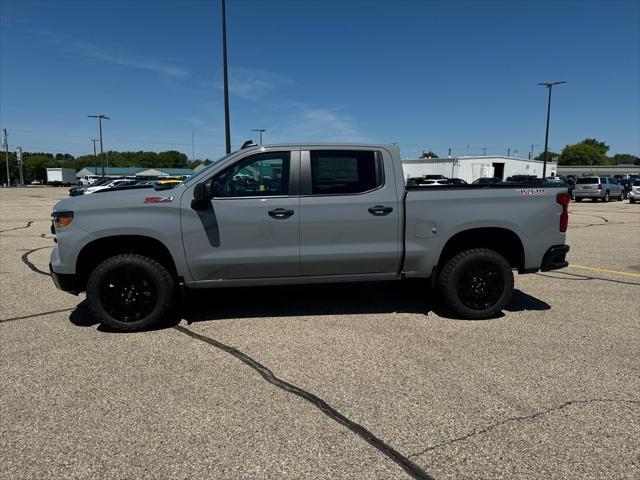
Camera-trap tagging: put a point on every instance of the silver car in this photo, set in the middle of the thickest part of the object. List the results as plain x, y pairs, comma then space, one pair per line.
634, 193
597, 188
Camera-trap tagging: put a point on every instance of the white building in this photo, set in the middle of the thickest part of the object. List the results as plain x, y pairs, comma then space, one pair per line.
472, 168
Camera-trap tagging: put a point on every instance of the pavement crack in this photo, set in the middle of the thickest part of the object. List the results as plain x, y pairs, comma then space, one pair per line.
407, 465
521, 418
583, 278
28, 263
29, 223
24, 317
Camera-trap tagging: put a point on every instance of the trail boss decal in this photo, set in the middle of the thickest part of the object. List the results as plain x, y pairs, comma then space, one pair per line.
531, 191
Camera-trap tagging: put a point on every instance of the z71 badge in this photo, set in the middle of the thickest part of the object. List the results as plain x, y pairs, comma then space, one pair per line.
532, 191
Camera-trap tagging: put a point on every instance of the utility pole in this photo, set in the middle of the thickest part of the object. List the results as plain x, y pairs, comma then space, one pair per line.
531, 151
100, 117
19, 159
260, 131
94, 140
509, 152
193, 147
484, 151
515, 153
227, 130
5, 142
549, 86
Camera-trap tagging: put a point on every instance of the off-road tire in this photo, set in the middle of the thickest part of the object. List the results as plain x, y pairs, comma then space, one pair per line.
457, 267
157, 279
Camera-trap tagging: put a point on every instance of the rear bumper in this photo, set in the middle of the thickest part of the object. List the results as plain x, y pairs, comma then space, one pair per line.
555, 258
64, 281
588, 193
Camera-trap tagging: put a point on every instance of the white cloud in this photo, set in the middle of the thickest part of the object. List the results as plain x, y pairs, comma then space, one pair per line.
96, 52
251, 83
322, 124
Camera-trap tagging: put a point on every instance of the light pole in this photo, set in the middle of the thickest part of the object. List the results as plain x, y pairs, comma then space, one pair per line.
549, 86
260, 131
227, 130
100, 117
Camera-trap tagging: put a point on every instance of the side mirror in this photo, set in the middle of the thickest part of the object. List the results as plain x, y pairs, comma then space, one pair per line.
202, 194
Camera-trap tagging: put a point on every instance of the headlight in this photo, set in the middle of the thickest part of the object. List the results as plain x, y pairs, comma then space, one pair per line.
62, 219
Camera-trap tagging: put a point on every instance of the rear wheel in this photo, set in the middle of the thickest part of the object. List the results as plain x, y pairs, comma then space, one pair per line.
130, 292
632, 200
605, 199
621, 196
578, 199
476, 283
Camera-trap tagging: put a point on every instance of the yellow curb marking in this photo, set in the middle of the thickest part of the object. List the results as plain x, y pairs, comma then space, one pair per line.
605, 270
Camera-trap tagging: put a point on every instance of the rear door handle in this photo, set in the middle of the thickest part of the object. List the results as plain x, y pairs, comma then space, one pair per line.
380, 210
280, 213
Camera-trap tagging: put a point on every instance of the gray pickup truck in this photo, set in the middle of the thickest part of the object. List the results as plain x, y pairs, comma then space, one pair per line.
303, 213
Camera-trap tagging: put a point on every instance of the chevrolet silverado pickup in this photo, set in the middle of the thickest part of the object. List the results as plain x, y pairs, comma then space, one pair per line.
303, 213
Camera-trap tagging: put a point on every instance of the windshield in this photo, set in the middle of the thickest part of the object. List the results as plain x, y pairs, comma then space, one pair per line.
205, 170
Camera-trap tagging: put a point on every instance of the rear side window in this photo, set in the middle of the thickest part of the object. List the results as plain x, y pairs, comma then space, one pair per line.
335, 172
587, 180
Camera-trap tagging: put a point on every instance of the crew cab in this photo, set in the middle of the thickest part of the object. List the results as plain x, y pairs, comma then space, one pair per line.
304, 213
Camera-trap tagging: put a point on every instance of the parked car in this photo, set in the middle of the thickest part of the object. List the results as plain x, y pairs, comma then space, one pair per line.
111, 184
634, 193
456, 181
487, 180
597, 188
36, 182
133, 250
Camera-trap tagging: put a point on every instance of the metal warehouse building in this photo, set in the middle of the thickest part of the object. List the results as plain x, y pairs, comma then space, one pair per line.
472, 168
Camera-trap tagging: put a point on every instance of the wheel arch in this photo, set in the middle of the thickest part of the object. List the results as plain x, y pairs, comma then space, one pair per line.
501, 240
96, 251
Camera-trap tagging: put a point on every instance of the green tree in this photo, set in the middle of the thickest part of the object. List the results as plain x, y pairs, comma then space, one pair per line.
624, 158
551, 156
429, 154
582, 154
602, 147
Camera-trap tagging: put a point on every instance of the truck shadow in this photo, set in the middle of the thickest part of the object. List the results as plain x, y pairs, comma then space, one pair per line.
314, 300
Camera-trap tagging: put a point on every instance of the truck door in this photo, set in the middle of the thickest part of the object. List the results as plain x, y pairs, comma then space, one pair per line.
349, 213
252, 227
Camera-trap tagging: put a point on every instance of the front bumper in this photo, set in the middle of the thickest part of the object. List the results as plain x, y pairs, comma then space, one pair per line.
65, 281
555, 258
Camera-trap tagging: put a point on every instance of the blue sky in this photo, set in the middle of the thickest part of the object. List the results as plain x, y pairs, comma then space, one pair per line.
426, 75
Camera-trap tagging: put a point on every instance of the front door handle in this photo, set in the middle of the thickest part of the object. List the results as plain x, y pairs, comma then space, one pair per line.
280, 213
380, 210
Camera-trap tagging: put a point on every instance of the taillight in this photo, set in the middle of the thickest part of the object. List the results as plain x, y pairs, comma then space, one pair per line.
599, 186
563, 199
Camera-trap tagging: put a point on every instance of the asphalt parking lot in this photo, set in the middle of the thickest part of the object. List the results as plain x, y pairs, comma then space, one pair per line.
358, 381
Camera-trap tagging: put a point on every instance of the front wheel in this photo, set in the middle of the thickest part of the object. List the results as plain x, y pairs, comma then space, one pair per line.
130, 292
620, 197
476, 283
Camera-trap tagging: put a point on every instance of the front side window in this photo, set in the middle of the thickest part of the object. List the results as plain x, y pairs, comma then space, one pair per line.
335, 172
261, 175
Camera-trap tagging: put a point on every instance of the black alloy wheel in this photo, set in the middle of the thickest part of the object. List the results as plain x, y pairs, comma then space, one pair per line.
480, 285
128, 294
